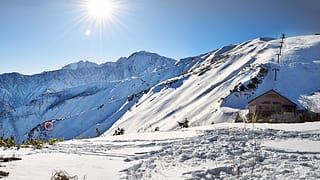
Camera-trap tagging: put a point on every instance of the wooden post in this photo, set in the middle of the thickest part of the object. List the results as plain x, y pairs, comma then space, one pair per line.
275, 73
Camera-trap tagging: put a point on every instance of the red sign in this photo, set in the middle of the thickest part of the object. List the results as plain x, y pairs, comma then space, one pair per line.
48, 126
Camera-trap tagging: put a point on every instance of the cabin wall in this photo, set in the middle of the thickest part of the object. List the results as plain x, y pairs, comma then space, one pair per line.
274, 107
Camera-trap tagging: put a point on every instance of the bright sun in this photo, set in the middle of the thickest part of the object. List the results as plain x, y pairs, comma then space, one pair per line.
101, 10
99, 15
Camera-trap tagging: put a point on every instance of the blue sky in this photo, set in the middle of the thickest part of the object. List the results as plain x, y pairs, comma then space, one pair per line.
43, 35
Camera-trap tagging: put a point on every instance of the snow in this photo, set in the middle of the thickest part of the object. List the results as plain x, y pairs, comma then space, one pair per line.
220, 151
74, 164
146, 91
82, 96
305, 146
80, 65
203, 94
311, 102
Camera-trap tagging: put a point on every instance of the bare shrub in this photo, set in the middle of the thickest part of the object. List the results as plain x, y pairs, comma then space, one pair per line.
62, 175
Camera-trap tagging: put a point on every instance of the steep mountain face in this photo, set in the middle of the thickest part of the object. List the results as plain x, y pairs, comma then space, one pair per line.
145, 91
80, 97
220, 87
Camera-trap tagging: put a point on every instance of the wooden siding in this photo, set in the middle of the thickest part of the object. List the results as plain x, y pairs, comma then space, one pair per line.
271, 103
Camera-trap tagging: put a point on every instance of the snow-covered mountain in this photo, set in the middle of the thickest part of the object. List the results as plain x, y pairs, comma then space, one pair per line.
220, 86
147, 91
81, 96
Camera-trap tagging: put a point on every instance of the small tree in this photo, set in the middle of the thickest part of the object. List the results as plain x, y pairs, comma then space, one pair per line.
118, 131
62, 175
251, 86
255, 80
10, 142
242, 88
98, 132
184, 124
53, 141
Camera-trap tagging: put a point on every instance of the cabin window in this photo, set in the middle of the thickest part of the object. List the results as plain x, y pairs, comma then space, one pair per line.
276, 103
288, 107
276, 108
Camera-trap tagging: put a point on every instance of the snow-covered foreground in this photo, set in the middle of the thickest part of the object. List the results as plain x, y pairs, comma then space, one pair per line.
227, 150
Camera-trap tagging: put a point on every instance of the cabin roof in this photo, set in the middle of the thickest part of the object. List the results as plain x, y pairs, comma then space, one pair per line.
272, 90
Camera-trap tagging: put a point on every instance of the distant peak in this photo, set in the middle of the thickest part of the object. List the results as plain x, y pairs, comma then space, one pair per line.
80, 64
143, 53
140, 55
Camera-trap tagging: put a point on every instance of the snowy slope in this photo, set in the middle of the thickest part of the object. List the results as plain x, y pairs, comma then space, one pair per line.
220, 151
210, 93
80, 96
146, 91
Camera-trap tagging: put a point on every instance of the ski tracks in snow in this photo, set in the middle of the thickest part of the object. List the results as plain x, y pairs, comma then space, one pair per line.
228, 154
214, 153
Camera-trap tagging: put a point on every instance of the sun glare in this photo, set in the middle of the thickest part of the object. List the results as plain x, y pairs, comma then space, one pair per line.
101, 10
87, 32
100, 16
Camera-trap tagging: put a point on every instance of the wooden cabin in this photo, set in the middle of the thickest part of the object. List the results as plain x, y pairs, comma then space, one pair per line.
272, 107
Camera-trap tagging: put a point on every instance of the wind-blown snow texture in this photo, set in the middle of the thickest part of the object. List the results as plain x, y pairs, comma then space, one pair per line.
145, 90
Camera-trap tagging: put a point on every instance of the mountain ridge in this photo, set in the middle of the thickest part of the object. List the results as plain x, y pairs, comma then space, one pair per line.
211, 93
28, 101
146, 90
